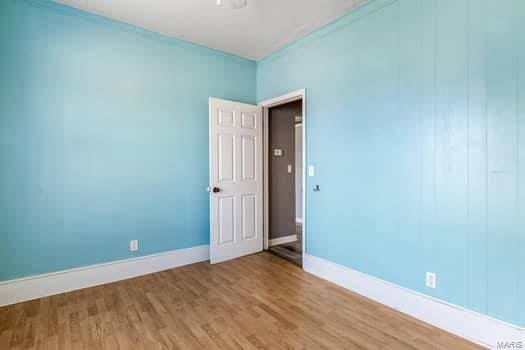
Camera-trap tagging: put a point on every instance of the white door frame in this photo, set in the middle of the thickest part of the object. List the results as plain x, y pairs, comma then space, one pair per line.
266, 105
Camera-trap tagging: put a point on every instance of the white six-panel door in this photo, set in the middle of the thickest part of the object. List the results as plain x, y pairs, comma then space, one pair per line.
236, 180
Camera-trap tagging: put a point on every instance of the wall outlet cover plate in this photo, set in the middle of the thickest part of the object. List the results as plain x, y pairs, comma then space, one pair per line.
134, 245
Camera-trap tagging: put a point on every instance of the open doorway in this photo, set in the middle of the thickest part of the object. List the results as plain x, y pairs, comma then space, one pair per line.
285, 181
240, 178
284, 177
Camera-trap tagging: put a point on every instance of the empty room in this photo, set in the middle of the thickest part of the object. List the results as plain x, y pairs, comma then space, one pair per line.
262, 174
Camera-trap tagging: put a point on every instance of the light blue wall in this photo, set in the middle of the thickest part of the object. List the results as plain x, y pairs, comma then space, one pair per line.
416, 126
103, 137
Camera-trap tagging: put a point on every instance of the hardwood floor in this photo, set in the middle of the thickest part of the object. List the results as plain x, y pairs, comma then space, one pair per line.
256, 302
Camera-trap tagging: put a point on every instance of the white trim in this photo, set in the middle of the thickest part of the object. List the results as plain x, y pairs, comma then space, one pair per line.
468, 324
23, 289
280, 100
266, 182
298, 220
282, 240
276, 101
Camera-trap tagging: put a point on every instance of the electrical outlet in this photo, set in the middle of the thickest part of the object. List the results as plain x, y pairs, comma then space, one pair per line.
431, 280
133, 245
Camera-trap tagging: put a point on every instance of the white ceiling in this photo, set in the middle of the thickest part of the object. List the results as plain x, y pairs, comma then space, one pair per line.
254, 32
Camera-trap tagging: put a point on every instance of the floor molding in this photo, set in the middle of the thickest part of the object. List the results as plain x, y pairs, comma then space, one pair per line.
282, 240
23, 289
468, 324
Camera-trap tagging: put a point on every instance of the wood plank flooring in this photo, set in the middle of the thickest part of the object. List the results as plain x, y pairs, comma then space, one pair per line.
256, 302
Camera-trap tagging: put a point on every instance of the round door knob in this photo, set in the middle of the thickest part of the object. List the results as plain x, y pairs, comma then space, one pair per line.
216, 190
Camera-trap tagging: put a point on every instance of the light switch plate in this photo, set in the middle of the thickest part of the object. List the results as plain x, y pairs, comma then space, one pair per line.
133, 245
289, 168
311, 170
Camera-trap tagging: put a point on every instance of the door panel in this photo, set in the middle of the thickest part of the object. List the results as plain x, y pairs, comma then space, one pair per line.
227, 220
248, 160
249, 120
236, 173
226, 118
249, 217
226, 158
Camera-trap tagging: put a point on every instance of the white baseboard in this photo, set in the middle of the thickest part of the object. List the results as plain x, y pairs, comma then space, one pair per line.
468, 324
23, 289
282, 240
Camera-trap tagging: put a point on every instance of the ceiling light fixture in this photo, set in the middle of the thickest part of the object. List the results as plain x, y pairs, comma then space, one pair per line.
233, 4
